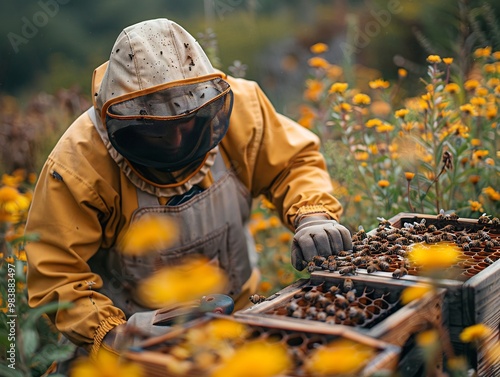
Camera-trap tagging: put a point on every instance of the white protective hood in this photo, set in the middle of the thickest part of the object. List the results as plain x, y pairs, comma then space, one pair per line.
145, 55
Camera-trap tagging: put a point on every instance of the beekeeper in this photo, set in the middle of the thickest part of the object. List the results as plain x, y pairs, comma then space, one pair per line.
168, 134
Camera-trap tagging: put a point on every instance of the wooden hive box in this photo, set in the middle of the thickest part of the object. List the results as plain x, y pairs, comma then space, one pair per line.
471, 290
155, 355
378, 298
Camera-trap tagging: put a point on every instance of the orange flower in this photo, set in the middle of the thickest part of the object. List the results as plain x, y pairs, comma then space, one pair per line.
319, 48
434, 59
361, 99
409, 175
379, 84
383, 183
317, 62
338, 87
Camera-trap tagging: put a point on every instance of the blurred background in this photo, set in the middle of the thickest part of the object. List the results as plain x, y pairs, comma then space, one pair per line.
47, 45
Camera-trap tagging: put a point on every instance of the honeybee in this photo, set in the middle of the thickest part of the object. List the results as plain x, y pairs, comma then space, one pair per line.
348, 270
489, 246
483, 219
311, 266
311, 296
356, 315
465, 247
489, 260
495, 221
334, 289
298, 313
341, 302
400, 272
393, 249
392, 237
383, 222
360, 234
340, 314
448, 228
348, 285
358, 261
332, 266
318, 260
474, 243
291, 307
344, 253
330, 309
383, 265
372, 267
257, 299
321, 316
402, 241
351, 295
311, 311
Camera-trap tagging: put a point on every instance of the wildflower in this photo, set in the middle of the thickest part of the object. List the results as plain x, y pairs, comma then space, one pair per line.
361, 99
317, 62
373, 148
334, 71
496, 55
361, 156
11, 180
415, 292
476, 206
491, 112
257, 358
475, 332
385, 127
313, 91
357, 198
105, 364
434, 59
274, 222
13, 204
475, 142
448, 61
474, 179
480, 154
468, 109
409, 175
150, 233
307, 116
426, 97
342, 357
338, 87
477, 101
427, 338
490, 161
373, 123
493, 82
492, 193
379, 84
265, 286
319, 48
225, 329
482, 52
452, 88
434, 256
401, 113
471, 84
169, 285
383, 183
402, 73
490, 68
266, 204
285, 237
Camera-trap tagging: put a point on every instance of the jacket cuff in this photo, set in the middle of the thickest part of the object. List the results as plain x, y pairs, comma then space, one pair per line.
104, 327
306, 211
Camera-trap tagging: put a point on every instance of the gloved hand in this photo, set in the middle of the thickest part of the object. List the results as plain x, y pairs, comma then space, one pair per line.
318, 235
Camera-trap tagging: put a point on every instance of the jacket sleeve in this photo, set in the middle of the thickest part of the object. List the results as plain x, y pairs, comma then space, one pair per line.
276, 157
68, 215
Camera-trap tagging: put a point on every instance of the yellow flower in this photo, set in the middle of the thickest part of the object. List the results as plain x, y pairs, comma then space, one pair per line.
340, 357
317, 62
12, 180
373, 123
471, 84
401, 113
480, 154
105, 364
148, 234
475, 142
415, 292
338, 87
385, 127
13, 204
491, 112
434, 256
274, 222
379, 84
475, 332
448, 61
474, 179
383, 183
427, 338
185, 282
334, 71
490, 68
285, 237
434, 59
402, 73
476, 206
492, 193
496, 55
452, 88
478, 101
373, 148
266, 204
409, 175
361, 156
256, 359
319, 48
225, 329
307, 116
493, 82
482, 52
361, 99
345, 107
468, 109
358, 198
313, 91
